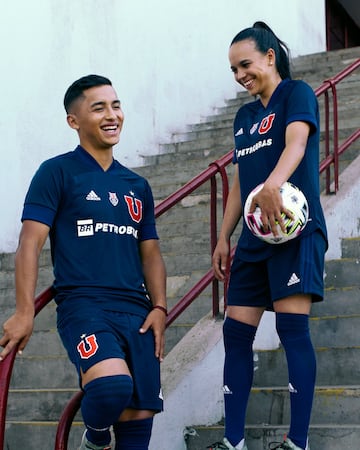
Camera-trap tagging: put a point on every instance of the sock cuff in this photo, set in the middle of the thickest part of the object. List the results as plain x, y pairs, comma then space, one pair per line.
239, 329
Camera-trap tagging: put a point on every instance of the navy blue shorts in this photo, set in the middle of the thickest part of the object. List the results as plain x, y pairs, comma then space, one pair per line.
296, 267
91, 335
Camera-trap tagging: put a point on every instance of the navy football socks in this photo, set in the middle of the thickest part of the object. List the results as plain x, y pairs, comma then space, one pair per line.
133, 434
238, 376
294, 334
104, 400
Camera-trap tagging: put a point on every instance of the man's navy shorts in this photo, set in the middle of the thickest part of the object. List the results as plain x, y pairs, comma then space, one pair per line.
91, 335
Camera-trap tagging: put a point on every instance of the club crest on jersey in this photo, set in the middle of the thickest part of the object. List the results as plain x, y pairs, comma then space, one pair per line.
266, 123
88, 346
113, 198
135, 208
254, 128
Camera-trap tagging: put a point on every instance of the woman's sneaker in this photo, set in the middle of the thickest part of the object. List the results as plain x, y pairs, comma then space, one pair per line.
86, 445
225, 445
286, 445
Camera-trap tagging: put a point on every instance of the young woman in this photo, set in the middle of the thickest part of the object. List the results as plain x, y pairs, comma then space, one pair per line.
276, 140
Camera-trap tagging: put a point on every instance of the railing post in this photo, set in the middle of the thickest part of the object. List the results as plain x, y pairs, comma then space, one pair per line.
66, 420
6, 367
213, 241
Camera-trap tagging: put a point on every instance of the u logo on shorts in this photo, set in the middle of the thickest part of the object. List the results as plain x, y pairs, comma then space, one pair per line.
88, 346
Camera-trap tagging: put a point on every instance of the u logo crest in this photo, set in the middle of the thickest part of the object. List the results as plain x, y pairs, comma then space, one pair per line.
88, 346
135, 208
266, 123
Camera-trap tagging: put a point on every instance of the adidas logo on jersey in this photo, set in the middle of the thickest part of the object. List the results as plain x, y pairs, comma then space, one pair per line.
92, 196
293, 279
239, 132
226, 390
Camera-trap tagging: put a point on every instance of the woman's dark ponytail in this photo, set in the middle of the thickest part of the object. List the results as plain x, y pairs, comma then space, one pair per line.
265, 38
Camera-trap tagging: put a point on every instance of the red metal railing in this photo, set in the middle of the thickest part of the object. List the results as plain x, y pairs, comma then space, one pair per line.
218, 167
331, 159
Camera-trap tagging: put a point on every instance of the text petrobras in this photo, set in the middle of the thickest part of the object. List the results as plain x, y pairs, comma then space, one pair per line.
87, 227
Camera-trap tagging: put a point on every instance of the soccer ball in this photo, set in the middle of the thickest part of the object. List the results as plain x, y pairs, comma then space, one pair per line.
294, 200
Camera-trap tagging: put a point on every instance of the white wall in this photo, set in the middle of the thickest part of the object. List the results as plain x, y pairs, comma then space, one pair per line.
167, 60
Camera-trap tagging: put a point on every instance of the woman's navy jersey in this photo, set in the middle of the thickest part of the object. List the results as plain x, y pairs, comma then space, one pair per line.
97, 219
259, 142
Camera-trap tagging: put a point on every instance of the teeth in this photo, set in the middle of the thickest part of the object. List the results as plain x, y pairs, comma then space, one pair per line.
110, 128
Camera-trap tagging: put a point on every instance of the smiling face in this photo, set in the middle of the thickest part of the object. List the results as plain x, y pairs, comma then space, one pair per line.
98, 118
255, 71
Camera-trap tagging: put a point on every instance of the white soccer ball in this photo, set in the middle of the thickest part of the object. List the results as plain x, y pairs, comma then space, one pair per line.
293, 200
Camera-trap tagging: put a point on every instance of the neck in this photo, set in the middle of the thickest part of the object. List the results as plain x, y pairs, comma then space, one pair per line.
104, 157
265, 97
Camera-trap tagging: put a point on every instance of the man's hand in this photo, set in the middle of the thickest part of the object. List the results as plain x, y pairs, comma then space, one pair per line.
17, 330
156, 320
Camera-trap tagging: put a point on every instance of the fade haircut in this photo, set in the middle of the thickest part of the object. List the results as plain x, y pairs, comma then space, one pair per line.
78, 87
265, 38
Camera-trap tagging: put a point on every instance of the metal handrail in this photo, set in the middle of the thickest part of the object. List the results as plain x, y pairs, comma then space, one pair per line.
215, 168
332, 158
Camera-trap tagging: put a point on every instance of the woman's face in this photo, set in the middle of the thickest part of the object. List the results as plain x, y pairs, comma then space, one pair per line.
255, 71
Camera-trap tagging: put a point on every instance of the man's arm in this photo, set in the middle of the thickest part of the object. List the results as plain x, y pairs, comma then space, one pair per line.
18, 328
155, 280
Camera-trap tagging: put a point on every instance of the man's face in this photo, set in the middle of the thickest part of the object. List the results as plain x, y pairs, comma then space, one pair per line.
98, 118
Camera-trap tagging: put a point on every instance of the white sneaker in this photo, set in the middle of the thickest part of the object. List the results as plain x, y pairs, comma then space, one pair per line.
225, 445
286, 445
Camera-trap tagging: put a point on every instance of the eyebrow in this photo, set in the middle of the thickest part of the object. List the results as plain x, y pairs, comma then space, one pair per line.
244, 61
102, 103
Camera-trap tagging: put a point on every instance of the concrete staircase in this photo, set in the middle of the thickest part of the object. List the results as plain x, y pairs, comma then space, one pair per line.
43, 379
335, 328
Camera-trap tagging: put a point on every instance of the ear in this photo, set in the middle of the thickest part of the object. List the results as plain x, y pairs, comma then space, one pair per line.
72, 121
271, 56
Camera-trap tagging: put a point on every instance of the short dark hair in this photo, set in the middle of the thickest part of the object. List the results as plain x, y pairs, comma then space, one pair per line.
82, 84
265, 38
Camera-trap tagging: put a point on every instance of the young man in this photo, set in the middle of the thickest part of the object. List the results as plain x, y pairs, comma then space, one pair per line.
109, 273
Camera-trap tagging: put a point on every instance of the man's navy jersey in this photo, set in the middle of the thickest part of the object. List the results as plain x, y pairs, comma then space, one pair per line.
260, 140
97, 219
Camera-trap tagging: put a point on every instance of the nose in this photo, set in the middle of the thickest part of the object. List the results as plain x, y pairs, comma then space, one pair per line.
239, 75
110, 113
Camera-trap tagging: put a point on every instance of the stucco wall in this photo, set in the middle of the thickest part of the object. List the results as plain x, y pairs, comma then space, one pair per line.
167, 59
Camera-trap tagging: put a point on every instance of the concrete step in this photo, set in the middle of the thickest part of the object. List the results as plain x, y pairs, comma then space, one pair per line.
38, 405
341, 273
334, 365
337, 330
43, 372
344, 301
350, 247
324, 64
332, 404
35, 435
322, 437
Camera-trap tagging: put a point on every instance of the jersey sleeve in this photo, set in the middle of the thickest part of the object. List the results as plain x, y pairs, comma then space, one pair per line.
302, 105
44, 195
148, 228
